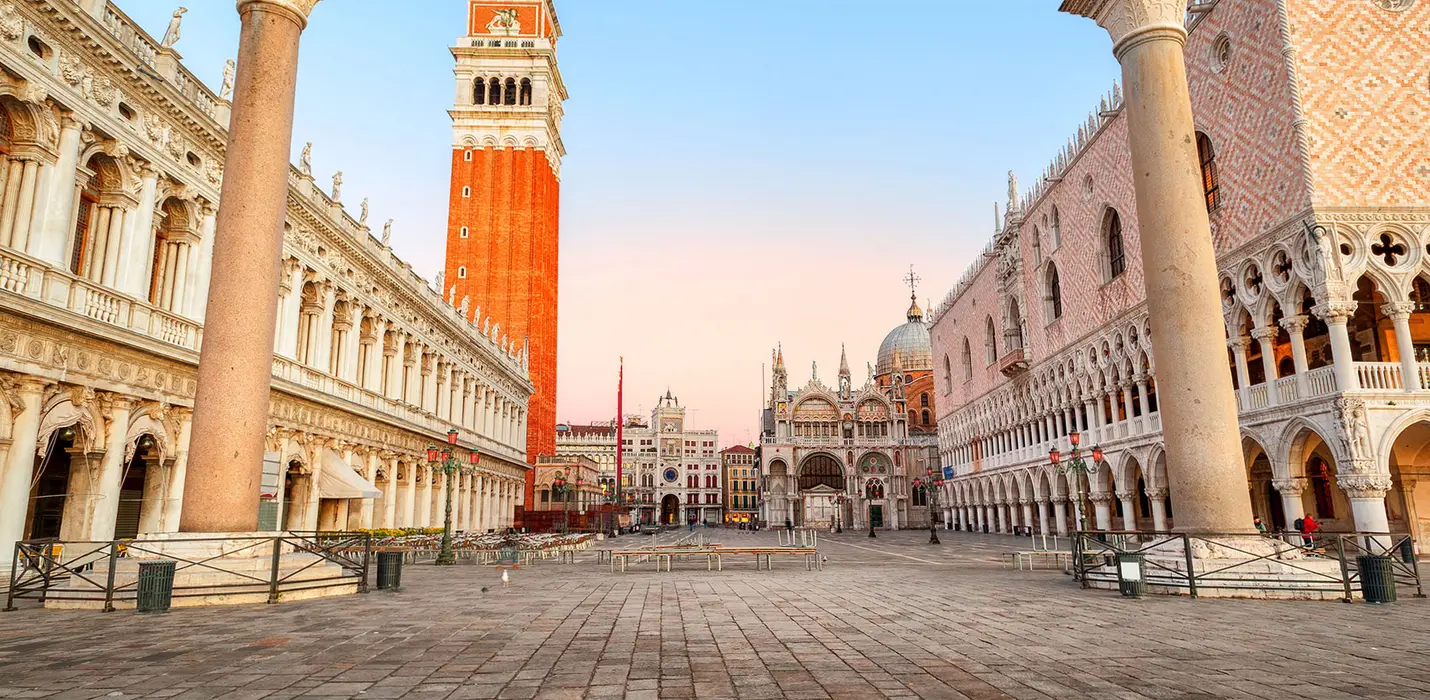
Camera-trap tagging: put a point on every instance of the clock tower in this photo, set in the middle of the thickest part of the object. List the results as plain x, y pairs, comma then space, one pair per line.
502, 228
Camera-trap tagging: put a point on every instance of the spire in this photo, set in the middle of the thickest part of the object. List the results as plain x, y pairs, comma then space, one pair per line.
779, 358
915, 313
843, 362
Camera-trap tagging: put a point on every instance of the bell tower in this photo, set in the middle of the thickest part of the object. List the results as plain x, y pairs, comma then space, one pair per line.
503, 216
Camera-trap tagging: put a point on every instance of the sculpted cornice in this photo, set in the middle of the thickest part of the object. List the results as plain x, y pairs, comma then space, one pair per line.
1129, 20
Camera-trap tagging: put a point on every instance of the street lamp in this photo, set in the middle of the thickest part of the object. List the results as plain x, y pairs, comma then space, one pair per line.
1078, 468
930, 492
559, 490
450, 465
839, 500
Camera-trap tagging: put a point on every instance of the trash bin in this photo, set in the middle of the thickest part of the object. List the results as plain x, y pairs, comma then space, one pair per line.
1377, 578
389, 571
155, 590
1130, 579
1407, 551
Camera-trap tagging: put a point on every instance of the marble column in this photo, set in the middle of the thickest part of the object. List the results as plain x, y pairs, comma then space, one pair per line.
1295, 329
1102, 507
178, 473
54, 223
1128, 501
104, 499
391, 495
1043, 517
1203, 438
409, 496
1266, 338
235, 365
1399, 313
1060, 515
1336, 314
19, 467
1158, 497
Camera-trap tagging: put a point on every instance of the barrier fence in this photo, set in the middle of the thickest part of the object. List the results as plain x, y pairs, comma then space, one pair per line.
1325, 564
90, 572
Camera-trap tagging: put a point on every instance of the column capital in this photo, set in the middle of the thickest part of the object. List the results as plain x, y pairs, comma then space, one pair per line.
1240, 344
1102, 497
1364, 485
1398, 310
1265, 334
1335, 311
296, 9
1295, 324
1158, 494
1131, 22
1289, 487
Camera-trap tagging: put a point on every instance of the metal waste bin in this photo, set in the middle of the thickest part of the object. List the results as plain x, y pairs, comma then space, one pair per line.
1377, 578
1407, 551
155, 590
1130, 579
389, 571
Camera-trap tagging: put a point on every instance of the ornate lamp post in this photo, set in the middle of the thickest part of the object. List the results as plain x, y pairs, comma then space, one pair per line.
839, 500
449, 464
930, 492
1078, 468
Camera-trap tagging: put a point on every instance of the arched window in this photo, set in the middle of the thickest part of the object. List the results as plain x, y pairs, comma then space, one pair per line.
1013, 336
925, 417
509, 93
479, 92
1211, 185
1057, 229
924, 400
526, 91
990, 343
466, 191
462, 273
464, 233
967, 361
467, 155
947, 375
494, 91
1112, 242
1055, 294
88, 203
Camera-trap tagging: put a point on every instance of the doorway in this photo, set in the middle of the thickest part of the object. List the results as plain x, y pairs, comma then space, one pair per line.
669, 509
876, 516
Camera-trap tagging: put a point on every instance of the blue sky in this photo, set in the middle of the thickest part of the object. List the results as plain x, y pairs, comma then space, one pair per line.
739, 174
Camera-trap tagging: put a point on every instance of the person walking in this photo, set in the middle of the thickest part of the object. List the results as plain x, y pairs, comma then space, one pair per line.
1309, 528
789, 526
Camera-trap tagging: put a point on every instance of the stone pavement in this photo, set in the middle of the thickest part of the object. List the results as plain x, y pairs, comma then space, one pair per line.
888, 617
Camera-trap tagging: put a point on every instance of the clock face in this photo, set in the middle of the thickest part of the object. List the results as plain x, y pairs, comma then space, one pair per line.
671, 475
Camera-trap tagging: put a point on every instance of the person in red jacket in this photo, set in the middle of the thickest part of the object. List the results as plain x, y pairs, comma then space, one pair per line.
1309, 527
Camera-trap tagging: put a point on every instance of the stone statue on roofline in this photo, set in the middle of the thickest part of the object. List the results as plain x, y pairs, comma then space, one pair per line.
226, 92
387, 232
337, 187
362, 219
305, 161
171, 35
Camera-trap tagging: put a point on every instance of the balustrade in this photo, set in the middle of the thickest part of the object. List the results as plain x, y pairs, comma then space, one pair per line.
1287, 389
1379, 375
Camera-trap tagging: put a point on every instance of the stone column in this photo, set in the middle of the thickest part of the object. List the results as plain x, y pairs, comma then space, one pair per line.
1043, 517
235, 365
1158, 498
19, 467
424, 497
1336, 314
1199, 411
136, 248
1028, 513
1296, 328
1290, 491
104, 504
1128, 502
1367, 496
54, 222
409, 496
1102, 507
1266, 338
174, 488
1399, 313
1127, 405
392, 494
1060, 515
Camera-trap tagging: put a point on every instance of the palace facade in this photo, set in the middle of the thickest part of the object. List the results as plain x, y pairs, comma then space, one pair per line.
675, 469
111, 160
1311, 130
846, 456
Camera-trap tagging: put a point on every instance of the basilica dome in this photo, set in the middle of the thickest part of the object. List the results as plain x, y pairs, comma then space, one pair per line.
910, 341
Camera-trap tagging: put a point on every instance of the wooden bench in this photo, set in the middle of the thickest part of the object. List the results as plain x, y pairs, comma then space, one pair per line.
666, 555
767, 554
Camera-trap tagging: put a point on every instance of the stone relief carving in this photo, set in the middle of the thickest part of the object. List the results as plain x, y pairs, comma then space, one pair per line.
12, 25
504, 22
1394, 5
1353, 433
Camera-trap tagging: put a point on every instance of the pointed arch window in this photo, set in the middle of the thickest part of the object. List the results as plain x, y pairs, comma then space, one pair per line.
990, 343
1211, 184
1057, 230
967, 361
947, 375
1113, 249
1055, 294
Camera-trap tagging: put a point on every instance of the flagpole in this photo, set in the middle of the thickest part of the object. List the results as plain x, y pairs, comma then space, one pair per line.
620, 436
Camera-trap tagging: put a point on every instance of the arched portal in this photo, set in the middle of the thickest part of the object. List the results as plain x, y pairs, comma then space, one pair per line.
669, 510
821, 469
1408, 503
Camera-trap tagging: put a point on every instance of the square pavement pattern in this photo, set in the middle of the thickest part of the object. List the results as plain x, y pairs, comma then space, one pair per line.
888, 617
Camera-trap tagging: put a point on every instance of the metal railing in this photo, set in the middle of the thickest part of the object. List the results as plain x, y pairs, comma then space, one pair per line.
89, 572
1243, 562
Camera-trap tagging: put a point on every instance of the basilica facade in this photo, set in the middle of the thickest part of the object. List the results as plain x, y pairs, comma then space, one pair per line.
111, 160
1313, 157
847, 457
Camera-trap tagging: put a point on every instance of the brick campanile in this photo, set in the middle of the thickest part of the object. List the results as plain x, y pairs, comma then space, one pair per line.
502, 228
